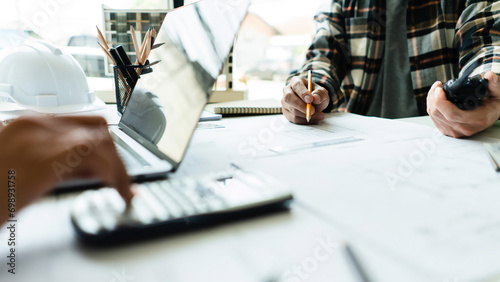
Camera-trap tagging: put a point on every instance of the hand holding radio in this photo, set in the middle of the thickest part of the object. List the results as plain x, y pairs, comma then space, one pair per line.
467, 92
469, 104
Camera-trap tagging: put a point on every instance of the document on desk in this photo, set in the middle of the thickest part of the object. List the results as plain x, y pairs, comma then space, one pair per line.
236, 139
340, 128
430, 202
274, 135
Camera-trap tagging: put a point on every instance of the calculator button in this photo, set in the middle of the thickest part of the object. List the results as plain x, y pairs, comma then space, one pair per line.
237, 193
106, 213
174, 209
82, 215
140, 211
212, 200
114, 200
81, 205
88, 223
194, 198
177, 196
160, 212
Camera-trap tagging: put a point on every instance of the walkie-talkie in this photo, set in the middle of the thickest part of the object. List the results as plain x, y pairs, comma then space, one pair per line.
467, 92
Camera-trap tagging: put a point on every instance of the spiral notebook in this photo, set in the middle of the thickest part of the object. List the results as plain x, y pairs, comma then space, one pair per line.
246, 107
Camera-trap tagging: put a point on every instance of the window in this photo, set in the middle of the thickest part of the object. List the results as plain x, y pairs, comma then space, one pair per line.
272, 41
71, 25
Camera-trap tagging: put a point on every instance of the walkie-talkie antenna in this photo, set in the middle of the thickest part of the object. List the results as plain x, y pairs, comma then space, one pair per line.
459, 82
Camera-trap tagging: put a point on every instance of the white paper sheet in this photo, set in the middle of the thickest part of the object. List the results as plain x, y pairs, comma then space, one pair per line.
430, 202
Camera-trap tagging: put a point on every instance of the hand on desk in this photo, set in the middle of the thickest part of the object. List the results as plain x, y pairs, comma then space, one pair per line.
295, 98
46, 150
452, 121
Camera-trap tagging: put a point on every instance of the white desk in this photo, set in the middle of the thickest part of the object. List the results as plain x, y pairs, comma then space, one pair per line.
261, 249
493, 132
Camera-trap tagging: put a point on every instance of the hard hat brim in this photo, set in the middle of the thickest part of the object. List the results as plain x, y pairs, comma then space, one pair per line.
98, 104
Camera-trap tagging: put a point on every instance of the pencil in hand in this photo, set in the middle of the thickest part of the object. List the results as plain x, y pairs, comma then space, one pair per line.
309, 87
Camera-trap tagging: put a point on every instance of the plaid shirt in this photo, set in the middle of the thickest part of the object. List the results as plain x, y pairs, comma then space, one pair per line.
444, 36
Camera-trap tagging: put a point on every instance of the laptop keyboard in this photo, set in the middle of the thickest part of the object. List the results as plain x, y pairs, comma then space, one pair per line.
127, 158
167, 201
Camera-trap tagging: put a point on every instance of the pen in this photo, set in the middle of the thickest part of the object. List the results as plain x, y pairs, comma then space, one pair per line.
153, 37
157, 45
120, 63
153, 63
112, 60
309, 87
126, 61
356, 264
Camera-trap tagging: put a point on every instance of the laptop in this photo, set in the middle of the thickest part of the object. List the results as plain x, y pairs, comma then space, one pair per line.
155, 130
156, 127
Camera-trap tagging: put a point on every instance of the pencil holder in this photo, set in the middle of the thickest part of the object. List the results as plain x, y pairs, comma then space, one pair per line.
125, 82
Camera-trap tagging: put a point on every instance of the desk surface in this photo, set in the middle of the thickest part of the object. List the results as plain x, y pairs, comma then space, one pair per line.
493, 132
301, 245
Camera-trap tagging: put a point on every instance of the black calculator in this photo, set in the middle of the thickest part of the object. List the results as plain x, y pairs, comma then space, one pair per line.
177, 204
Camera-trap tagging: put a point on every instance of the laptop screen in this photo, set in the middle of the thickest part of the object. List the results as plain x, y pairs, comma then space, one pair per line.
166, 104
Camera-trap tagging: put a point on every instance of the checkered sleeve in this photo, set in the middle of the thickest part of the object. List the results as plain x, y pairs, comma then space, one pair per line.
328, 54
478, 35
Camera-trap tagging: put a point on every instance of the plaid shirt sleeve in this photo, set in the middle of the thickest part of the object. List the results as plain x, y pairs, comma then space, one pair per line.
328, 54
478, 36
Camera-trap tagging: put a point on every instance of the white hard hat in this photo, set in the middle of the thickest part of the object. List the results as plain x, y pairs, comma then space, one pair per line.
41, 77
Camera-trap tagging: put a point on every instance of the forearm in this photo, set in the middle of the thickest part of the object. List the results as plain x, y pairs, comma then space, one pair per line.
477, 36
328, 54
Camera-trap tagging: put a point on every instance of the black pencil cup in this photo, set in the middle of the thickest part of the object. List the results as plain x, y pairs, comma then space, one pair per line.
125, 79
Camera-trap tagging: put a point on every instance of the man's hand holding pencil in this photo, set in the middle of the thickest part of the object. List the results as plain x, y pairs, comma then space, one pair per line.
296, 97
